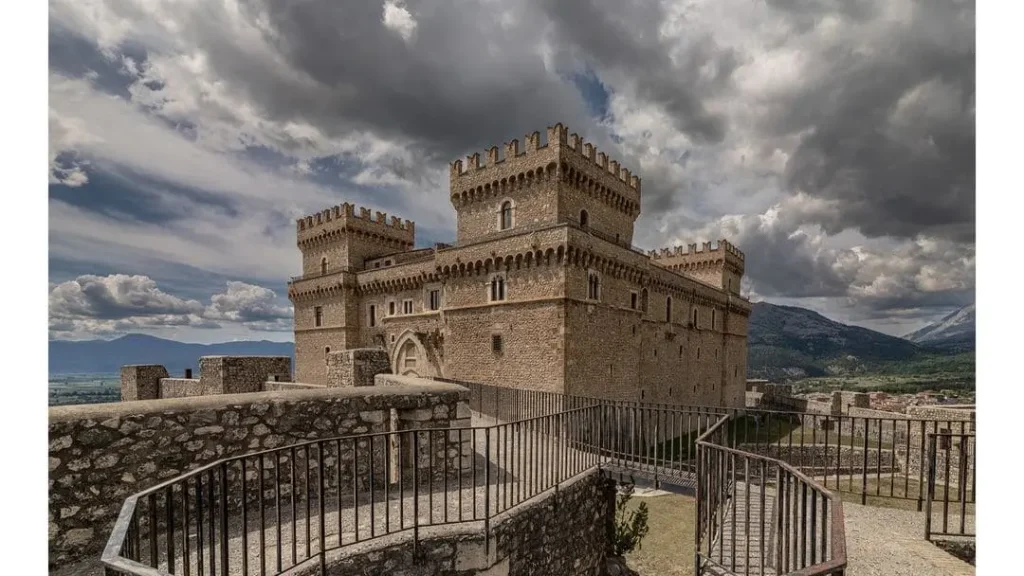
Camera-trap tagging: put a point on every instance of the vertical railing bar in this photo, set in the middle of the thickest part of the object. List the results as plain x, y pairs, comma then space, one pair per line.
245, 521
263, 523
355, 488
320, 501
199, 524
169, 513
309, 495
185, 548
295, 535
277, 506
373, 490
223, 526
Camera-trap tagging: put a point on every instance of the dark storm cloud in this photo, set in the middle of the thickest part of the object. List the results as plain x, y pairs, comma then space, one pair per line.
464, 84
890, 132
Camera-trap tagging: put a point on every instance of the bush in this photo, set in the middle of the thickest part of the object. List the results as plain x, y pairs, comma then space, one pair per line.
630, 526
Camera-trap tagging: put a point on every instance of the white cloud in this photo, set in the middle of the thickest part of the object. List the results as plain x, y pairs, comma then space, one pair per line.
117, 304
397, 18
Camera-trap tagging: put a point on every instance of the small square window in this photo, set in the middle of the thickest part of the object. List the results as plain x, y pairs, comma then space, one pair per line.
497, 345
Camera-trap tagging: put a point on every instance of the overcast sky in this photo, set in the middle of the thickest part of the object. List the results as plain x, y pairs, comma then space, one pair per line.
833, 141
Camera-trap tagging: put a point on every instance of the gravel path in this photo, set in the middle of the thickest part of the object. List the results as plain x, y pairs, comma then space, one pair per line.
889, 542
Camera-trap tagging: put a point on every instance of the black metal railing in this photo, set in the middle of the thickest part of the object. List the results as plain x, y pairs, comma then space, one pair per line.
950, 492
866, 459
285, 508
758, 515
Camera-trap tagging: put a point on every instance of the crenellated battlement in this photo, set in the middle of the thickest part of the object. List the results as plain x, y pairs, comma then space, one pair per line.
536, 152
358, 218
693, 250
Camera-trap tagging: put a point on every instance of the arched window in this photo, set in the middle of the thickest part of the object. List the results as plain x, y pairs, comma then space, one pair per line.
593, 286
643, 300
584, 218
506, 215
668, 309
323, 265
327, 352
497, 288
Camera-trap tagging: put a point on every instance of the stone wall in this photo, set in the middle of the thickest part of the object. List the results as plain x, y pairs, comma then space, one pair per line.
241, 374
184, 387
356, 367
101, 453
141, 381
564, 531
816, 459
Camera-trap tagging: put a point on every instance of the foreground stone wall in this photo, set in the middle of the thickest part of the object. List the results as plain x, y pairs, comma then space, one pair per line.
101, 453
564, 532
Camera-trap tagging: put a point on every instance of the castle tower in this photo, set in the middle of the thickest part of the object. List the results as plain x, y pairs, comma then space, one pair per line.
335, 244
562, 179
721, 266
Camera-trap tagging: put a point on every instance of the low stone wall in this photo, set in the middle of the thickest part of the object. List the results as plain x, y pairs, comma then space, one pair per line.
101, 453
141, 381
277, 386
815, 459
241, 374
564, 531
356, 367
184, 387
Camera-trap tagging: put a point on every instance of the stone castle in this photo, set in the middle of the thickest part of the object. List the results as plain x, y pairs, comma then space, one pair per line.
541, 290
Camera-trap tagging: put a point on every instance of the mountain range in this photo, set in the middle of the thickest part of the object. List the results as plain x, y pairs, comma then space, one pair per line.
107, 356
783, 342
953, 333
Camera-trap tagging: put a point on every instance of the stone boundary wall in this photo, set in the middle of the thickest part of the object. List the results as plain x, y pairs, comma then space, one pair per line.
141, 381
279, 386
241, 374
101, 453
356, 367
184, 387
815, 459
564, 531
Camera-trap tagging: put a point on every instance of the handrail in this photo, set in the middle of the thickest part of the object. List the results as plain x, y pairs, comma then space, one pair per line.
588, 433
580, 439
834, 565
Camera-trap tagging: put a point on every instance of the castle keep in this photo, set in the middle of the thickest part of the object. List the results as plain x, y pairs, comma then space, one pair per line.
541, 290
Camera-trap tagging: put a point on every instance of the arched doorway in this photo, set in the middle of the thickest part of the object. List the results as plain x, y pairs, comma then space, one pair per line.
409, 358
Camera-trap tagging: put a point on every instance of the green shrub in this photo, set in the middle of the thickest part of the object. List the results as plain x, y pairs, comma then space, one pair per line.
630, 525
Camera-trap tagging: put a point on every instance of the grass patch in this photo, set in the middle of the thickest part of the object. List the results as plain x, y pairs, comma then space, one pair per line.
667, 550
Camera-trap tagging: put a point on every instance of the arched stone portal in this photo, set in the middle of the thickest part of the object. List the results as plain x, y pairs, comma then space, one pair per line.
409, 358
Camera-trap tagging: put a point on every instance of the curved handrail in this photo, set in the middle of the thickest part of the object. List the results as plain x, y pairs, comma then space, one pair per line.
837, 561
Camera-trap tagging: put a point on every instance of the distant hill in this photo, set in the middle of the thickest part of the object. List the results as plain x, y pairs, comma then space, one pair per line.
953, 333
792, 342
107, 356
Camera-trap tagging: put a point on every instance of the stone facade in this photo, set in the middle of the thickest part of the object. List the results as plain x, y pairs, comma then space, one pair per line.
564, 531
541, 291
101, 453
